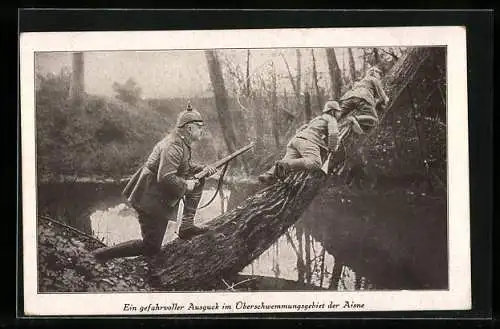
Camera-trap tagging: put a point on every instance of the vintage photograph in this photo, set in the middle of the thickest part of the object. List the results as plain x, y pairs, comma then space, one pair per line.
241, 169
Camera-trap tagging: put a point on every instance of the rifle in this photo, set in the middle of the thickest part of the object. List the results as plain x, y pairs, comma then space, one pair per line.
223, 161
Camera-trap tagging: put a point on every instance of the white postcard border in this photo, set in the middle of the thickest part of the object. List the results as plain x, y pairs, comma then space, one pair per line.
458, 297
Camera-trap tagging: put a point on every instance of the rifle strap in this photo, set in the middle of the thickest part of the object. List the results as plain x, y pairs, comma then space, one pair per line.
219, 186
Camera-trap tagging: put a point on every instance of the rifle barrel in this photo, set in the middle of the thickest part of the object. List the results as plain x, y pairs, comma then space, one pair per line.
232, 155
226, 159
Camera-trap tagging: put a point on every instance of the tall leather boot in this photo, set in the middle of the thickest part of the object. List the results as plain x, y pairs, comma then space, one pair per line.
125, 249
284, 167
187, 229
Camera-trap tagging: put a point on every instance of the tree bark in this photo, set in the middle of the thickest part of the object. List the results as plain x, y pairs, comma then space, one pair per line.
335, 74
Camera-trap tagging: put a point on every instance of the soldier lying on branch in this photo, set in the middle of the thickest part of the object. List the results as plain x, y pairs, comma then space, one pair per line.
155, 190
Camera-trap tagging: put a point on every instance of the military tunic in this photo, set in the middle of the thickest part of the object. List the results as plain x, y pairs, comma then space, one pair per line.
312, 142
361, 101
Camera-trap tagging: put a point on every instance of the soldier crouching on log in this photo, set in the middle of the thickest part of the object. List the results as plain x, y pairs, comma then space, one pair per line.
155, 190
361, 101
309, 148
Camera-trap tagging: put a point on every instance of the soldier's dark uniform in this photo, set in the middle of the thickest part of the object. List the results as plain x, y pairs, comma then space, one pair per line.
155, 190
360, 102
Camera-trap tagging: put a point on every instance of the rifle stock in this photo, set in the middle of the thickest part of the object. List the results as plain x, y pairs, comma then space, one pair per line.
223, 161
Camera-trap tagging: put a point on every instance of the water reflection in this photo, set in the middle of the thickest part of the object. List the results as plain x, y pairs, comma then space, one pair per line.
282, 260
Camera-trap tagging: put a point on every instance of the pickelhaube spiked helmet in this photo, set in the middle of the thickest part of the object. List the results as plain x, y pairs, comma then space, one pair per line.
189, 115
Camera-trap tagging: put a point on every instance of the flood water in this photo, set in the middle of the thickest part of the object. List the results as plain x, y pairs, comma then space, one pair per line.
383, 240
118, 223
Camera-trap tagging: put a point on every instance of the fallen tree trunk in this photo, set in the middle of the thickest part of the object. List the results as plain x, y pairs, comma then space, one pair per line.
239, 236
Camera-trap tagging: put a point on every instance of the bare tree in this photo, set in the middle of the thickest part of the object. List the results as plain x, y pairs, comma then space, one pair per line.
335, 74
294, 82
248, 74
307, 106
221, 102
299, 71
352, 66
365, 60
315, 80
376, 56
307, 249
241, 235
77, 81
274, 109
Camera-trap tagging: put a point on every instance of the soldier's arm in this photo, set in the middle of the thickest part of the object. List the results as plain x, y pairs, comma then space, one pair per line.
380, 91
333, 133
170, 159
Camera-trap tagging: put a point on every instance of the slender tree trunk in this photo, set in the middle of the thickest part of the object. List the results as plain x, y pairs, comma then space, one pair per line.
307, 106
274, 109
365, 61
259, 123
299, 72
275, 269
315, 81
322, 272
299, 233
307, 250
352, 66
221, 103
77, 79
236, 238
335, 74
376, 56
422, 147
248, 88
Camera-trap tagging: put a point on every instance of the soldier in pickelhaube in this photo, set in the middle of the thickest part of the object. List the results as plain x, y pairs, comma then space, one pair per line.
155, 190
